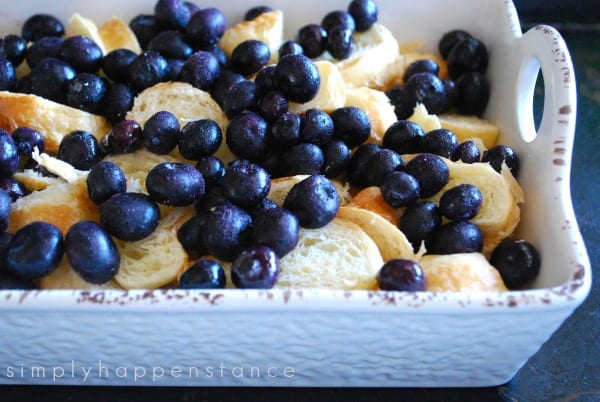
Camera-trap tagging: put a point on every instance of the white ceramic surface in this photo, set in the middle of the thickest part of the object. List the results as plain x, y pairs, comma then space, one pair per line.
333, 338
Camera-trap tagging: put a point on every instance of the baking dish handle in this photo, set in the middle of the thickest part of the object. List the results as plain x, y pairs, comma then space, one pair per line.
543, 47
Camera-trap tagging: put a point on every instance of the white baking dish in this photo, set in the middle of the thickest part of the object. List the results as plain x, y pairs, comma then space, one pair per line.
333, 338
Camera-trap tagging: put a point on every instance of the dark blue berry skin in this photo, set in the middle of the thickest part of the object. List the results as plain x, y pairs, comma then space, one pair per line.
212, 169
254, 12
245, 183
403, 275
14, 48
240, 96
266, 80
5, 204
264, 205
499, 154
34, 250
161, 133
221, 85
467, 152
340, 42
105, 180
175, 183
171, 14
313, 39
473, 93
285, 130
461, 203
382, 163
316, 127
212, 199
125, 137
145, 27
86, 92
314, 201
419, 223
441, 142
226, 231
92, 252
290, 47
303, 158
14, 188
203, 274
271, 105
40, 25
431, 172
402, 102
147, 69
80, 149
192, 7
450, 39
298, 78
517, 261
201, 70
249, 57
26, 139
336, 156
190, 236
8, 280
364, 13
247, 136
468, 55
82, 53
338, 19
399, 189
276, 228
206, 27
171, 44
451, 93
44, 48
9, 155
427, 89
255, 268
404, 137
130, 216
357, 170
118, 100
115, 64
351, 125
8, 75
220, 55
199, 138
457, 237
174, 69
421, 66
50, 78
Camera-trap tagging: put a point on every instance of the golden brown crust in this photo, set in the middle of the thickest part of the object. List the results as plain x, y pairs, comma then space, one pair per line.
371, 198
116, 34
331, 94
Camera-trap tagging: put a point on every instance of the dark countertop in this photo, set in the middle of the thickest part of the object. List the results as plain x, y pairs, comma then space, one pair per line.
567, 368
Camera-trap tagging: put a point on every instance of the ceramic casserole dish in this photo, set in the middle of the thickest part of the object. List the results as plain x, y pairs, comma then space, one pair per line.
310, 337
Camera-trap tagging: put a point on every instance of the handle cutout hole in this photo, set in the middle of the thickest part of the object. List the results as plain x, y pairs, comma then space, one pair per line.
530, 103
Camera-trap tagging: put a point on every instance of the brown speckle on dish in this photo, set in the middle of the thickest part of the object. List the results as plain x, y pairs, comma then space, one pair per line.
566, 109
559, 141
558, 179
560, 151
558, 162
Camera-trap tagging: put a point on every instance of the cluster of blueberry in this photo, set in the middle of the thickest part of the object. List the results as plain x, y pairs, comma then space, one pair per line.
467, 89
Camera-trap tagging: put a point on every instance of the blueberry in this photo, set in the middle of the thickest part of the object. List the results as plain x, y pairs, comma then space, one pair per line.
473, 93
313, 39
174, 67
190, 236
298, 78
401, 274
451, 93
226, 231
35, 250
104, 180
39, 25
206, 27
457, 237
303, 158
468, 55
203, 274
271, 105
91, 252
421, 66
427, 89
118, 100
130, 216
399, 189
201, 70
466, 152
124, 137
14, 47
8, 75
170, 44
247, 136
450, 39
254, 12
192, 7
340, 42
171, 14
404, 137
380, 164
115, 64
240, 96
220, 55
285, 130
314, 201
82, 53
419, 223
290, 47
266, 80
337, 19
255, 268
461, 202
245, 183
161, 132
431, 172
351, 125
199, 138
8, 280
14, 188
50, 78
212, 199
336, 156
316, 127
175, 183
80, 149
86, 92
47, 47
250, 56
145, 27
220, 87
5, 206
276, 228
9, 155
402, 101
212, 169
147, 69
357, 171
499, 154
517, 261
441, 142
364, 13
